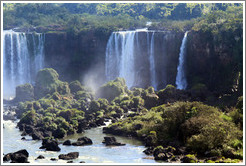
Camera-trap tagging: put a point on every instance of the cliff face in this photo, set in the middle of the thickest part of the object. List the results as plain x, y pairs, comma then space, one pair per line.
73, 56
213, 60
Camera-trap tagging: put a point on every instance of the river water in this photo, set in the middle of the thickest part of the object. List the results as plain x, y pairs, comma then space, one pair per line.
132, 152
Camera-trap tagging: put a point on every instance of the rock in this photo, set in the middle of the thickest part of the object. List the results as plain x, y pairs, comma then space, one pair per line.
20, 156
29, 129
149, 150
85, 139
37, 135
40, 157
70, 162
46, 82
50, 145
189, 158
69, 156
75, 86
53, 159
92, 124
82, 141
82, 162
112, 141
151, 100
7, 157
24, 93
100, 122
24, 133
67, 142
138, 126
164, 154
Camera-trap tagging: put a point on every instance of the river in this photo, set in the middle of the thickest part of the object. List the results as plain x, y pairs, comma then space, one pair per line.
132, 152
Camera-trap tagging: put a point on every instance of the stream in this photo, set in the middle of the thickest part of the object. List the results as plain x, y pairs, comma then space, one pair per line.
132, 152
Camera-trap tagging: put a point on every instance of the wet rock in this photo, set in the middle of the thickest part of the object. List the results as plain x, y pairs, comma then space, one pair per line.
29, 129
149, 150
164, 154
53, 159
20, 156
190, 158
67, 142
69, 156
37, 135
85, 139
23, 138
112, 141
82, 162
23, 133
50, 145
70, 162
100, 122
40, 157
7, 157
82, 141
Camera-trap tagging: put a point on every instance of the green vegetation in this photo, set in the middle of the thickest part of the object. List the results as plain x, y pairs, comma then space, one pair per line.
107, 17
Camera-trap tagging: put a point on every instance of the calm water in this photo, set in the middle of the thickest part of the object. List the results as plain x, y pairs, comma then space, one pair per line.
132, 152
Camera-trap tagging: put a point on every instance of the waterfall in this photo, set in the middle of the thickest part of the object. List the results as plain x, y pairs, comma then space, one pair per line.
181, 81
23, 56
134, 56
152, 61
120, 57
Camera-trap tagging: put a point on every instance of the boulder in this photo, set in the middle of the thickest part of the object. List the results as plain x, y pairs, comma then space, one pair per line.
69, 156
20, 156
7, 157
67, 142
50, 145
82, 141
40, 157
37, 135
112, 141
189, 158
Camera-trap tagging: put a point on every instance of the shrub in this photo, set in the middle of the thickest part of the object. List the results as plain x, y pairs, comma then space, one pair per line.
75, 86
112, 89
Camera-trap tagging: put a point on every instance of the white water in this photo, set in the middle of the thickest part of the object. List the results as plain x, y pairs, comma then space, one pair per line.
22, 58
122, 54
152, 61
181, 81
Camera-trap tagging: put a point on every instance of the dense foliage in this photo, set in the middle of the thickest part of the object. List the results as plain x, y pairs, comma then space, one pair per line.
76, 17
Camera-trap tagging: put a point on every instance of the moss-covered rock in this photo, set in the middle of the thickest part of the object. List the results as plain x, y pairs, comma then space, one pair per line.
75, 86
24, 93
112, 89
47, 83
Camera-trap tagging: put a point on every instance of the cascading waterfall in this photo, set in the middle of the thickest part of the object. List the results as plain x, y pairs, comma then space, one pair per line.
181, 81
152, 62
142, 57
120, 57
23, 56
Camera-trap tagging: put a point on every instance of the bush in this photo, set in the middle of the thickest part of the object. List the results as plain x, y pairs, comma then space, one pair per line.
112, 89
75, 86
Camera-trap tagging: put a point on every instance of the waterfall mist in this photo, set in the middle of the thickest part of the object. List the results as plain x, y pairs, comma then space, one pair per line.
181, 81
23, 56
